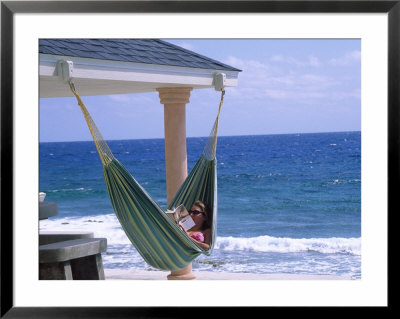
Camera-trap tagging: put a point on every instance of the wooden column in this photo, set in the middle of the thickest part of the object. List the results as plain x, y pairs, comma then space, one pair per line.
175, 100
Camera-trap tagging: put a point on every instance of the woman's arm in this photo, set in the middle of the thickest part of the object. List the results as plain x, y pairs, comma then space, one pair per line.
202, 245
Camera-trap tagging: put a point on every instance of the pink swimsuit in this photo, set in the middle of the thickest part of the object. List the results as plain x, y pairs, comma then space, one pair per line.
198, 236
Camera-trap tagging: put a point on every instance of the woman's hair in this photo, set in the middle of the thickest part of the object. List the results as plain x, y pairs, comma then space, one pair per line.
205, 208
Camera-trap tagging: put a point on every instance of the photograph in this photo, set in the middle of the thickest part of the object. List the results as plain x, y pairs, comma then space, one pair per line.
287, 162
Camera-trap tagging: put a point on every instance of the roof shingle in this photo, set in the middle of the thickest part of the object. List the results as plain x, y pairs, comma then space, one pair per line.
151, 51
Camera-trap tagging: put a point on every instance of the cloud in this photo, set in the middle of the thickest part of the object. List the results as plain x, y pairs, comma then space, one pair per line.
321, 81
312, 61
353, 94
277, 94
347, 59
248, 64
263, 79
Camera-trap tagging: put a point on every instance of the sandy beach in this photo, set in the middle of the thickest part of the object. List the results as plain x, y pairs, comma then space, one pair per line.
134, 274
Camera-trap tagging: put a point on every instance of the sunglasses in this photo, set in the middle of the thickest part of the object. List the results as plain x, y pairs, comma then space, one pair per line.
195, 212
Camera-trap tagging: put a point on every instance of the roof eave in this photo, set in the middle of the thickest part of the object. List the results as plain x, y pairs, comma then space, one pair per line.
104, 77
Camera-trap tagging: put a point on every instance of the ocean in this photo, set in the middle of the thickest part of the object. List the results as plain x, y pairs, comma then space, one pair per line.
287, 203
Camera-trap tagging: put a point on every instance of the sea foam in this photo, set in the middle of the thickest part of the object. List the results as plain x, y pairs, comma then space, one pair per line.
108, 226
291, 245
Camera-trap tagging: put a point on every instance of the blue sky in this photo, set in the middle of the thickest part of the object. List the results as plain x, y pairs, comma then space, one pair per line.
286, 86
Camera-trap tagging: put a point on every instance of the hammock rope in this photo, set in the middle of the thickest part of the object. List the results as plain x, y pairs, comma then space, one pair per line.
157, 238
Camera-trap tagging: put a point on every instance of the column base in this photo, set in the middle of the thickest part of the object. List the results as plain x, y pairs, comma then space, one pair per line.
182, 274
190, 276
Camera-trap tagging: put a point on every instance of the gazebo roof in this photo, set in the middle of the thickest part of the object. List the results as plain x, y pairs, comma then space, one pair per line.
152, 51
116, 66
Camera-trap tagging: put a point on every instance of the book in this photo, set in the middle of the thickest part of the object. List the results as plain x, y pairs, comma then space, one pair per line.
181, 216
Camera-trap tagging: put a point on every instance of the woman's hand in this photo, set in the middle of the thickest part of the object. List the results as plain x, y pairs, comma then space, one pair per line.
186, 232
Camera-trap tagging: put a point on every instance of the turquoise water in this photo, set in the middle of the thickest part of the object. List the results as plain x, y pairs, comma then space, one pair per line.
286, 203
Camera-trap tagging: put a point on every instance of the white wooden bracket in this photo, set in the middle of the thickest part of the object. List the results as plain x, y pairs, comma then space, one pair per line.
219, 81
65, 70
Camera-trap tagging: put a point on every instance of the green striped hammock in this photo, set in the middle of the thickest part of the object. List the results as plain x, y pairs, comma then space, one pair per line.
157, 238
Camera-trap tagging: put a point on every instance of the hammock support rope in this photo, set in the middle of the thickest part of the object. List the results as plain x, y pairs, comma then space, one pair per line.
157, 238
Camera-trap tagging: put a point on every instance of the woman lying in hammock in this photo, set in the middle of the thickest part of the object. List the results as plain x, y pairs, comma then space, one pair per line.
201, 232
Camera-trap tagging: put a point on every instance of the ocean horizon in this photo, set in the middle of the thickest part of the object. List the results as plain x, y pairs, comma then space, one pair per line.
287, 203
219, 136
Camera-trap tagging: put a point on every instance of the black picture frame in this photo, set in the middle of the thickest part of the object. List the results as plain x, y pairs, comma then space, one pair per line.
9, 8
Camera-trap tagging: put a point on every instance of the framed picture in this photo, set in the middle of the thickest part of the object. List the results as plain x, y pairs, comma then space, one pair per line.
375, 24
